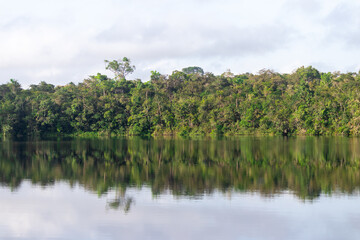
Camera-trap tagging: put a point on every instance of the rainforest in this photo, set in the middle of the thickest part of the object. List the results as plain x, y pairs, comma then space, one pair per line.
189, 102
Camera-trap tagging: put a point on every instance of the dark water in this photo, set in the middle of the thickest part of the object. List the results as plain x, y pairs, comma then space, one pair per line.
237, 188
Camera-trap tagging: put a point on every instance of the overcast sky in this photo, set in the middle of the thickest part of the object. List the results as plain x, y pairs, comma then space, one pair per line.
68, 40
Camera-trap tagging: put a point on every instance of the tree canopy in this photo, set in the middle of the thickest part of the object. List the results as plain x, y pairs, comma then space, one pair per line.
121, 68
193, 70
305, 102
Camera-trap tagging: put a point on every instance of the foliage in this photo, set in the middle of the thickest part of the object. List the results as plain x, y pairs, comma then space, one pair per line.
188, 103
193, 70
120, 68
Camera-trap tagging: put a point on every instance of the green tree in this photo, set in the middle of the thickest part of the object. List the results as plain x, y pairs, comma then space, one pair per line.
193, 70
121, 68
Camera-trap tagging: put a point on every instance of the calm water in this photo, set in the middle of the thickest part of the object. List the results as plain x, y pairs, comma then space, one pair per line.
237, 188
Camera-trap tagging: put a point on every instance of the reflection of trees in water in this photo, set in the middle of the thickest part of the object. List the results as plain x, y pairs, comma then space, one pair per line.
306, 166
121, 200
123, 203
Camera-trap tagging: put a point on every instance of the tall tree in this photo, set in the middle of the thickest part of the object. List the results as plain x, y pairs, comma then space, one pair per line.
120, 68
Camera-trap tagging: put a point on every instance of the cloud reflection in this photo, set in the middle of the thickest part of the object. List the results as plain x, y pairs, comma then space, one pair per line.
64, 212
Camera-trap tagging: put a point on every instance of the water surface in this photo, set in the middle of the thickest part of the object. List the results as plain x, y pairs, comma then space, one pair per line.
132, 188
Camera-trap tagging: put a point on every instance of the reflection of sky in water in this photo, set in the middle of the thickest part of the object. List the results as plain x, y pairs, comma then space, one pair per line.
61, 212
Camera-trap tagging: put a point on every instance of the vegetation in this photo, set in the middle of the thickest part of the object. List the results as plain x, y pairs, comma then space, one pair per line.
187, 102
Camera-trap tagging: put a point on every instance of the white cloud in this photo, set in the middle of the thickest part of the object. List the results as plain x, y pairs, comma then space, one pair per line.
62, 41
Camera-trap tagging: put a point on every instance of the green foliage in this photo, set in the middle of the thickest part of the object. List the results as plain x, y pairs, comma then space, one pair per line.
186, 103
193, 70
121, 68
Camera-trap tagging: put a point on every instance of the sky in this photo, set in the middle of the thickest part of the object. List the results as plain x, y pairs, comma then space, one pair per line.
68, 40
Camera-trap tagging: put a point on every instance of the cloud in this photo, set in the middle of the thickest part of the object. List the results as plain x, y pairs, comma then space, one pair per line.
343, 23
195, 41
65, 40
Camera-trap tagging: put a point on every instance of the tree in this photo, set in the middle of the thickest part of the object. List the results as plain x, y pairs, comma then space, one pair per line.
43, 87
121, 68
193, 70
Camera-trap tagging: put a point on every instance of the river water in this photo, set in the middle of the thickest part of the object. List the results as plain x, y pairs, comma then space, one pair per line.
133, 188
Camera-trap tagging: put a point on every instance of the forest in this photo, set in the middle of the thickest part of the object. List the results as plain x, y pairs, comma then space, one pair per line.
189, 102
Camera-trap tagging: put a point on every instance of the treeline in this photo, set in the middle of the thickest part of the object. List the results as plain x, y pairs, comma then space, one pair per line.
187, 102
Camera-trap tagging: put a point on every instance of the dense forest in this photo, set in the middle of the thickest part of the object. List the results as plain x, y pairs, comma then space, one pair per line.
188, 103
